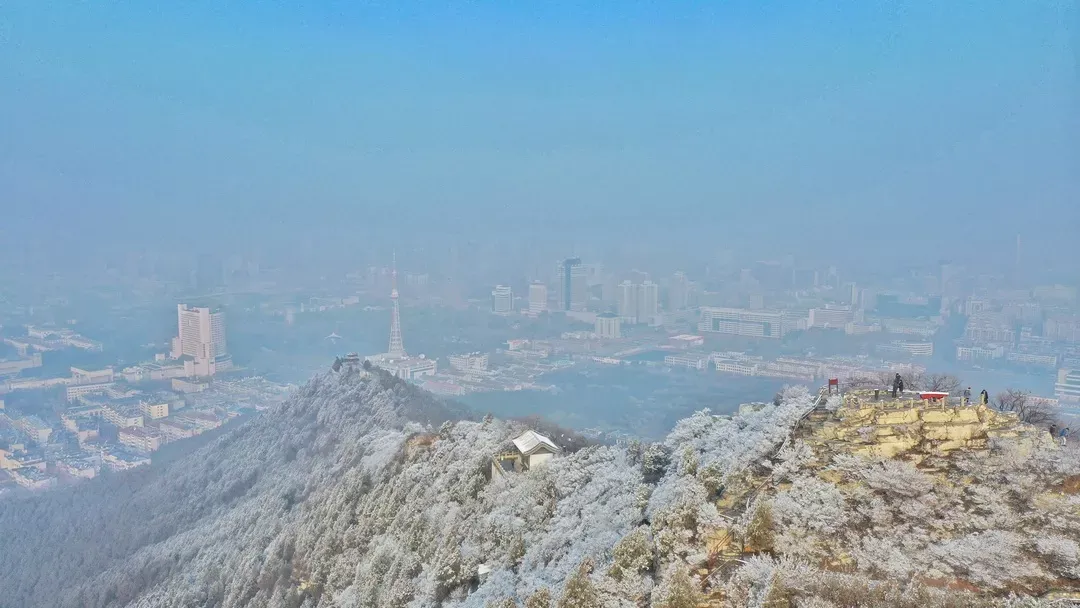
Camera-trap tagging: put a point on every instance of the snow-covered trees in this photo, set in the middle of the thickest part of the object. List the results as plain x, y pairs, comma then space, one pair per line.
363, 491
897, 478
676, 590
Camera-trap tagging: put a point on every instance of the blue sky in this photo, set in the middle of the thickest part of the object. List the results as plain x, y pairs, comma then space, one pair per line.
744, 122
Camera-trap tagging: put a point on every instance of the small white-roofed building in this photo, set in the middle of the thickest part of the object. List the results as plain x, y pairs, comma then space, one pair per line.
532, 449
535, 448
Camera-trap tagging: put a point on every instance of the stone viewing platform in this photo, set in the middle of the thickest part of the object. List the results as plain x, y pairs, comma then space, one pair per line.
911, 426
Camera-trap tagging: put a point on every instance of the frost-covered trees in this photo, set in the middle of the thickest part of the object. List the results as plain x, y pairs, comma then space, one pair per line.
897, 478
991, 559
1062, 553
808, 514
632, 555
676, 590
580, 591
363, 491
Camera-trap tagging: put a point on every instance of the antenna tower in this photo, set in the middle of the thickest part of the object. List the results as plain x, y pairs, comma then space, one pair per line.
397, 349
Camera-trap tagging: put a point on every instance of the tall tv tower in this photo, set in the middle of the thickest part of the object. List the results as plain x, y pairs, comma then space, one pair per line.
397, 349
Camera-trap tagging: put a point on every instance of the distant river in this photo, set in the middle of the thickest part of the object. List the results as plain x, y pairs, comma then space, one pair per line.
645, 402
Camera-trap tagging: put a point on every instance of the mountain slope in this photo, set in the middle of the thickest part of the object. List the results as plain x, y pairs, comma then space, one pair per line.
363, 491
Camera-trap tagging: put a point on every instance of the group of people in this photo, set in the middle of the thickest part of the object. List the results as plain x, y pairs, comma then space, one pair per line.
984, 397
1060, 434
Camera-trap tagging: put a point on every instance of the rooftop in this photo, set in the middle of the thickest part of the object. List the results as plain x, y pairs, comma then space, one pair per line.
531, 441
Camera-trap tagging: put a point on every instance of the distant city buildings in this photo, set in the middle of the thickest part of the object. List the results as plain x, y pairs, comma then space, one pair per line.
637, 302
626, 301
538, 298
685, 341
1063, 327
985, 327
742, 322
1067, 387
14, 367
1033, 359
854, 296
44, 339
471, 362
502, 300
573, 285
903, 347
830, 318
648, 302
979, 353
911, 327
608, 326
201, 340
679, 292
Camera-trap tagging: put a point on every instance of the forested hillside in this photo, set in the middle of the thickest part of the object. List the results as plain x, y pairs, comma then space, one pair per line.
363, 491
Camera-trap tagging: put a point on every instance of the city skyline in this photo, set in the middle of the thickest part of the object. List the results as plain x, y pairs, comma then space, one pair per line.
540, 304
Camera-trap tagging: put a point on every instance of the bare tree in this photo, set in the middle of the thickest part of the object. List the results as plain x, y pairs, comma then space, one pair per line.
913, 380
882, 380
945, 383
1028, 410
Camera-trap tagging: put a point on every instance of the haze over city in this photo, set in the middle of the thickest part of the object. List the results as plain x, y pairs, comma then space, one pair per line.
629, 304
740, 123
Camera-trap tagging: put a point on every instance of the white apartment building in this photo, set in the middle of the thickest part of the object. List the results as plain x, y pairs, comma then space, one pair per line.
609, 326
626, 301
648, 301
679, 291
502, 300
74, 391
742, 322
832, 318
201, 333
687, 361
469, 362
1067, 387
572, 280
735, 366
979, 353
637, 302
101, 376
1050, 361
538, 298
915, 349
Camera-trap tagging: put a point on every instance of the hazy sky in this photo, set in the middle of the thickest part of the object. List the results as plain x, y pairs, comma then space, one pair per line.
735, 120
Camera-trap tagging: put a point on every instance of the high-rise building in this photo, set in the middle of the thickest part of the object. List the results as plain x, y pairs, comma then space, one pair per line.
573, 282
502, 300
637, 303
679, 292
608, 325
537, 298
648, 301
201, 333
741, 322
1067, 387
853, 296
626, 301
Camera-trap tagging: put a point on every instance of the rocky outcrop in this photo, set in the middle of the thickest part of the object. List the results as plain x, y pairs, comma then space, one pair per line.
887, 428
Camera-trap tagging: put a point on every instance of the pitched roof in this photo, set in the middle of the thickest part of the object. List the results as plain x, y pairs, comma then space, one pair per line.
531, 441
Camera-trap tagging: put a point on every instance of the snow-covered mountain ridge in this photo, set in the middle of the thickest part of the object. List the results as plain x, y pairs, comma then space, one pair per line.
361, 490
